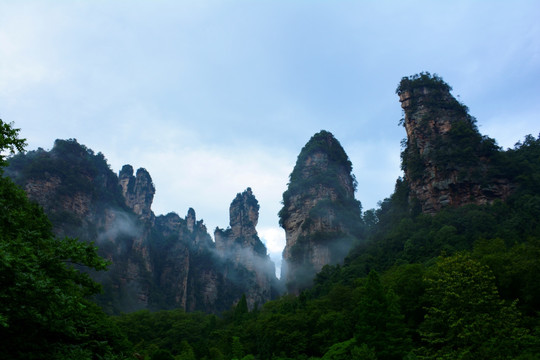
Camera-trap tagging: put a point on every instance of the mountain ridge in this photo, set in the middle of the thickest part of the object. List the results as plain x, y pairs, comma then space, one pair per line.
158, 262
163, 261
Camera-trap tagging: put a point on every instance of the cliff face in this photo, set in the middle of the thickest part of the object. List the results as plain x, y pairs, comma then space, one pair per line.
247, 263
446, 160
161, 262
82, 198
187, 272
320, 215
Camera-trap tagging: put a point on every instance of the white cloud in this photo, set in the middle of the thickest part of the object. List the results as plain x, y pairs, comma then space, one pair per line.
273, 237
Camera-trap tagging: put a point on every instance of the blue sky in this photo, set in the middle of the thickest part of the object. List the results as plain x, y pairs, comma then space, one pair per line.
212, 97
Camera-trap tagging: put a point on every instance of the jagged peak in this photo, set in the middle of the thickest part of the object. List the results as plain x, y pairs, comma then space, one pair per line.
138, 191
243, 219
246, 199
127, 171
142, 176
191, 219
244, 214
143, 172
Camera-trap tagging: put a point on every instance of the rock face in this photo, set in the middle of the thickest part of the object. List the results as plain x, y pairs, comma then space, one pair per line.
158, 262
320, 215
83, 199
187, 273
138, 191
247, 263
446, 160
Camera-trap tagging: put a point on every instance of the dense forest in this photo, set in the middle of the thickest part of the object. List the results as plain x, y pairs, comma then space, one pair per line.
458, 284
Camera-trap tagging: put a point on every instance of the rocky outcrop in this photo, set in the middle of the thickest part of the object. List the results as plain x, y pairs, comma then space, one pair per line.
247, 263
187, 273
138, 191
44, 191
320, 215
446, 161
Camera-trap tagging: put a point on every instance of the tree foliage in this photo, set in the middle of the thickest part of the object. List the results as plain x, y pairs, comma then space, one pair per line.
380, 324
45, 309
423, 79
465, 317
9, 141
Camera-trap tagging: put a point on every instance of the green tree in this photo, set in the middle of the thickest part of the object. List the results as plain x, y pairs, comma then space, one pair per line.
162, 354
45, 310
348, 350
465, 317
380, 323
241, 309
9, 141
236, 348
215, 354
186, 352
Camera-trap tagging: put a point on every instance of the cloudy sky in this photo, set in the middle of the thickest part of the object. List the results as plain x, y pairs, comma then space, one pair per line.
212, 97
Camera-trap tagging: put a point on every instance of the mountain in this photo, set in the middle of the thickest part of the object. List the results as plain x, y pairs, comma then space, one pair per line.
246, 262
157, 262
446, 161
428, 278
445, 267
320, 215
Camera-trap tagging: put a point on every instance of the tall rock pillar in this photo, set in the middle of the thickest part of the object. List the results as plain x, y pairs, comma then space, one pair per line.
249, 266
138, 191
446, 161
320, 215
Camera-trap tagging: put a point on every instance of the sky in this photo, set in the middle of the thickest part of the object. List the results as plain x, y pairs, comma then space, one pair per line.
212, 97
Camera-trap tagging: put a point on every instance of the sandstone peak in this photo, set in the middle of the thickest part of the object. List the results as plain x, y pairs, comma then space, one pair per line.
244, 252
320, 215
244, 214
446, 160
190, 219
138, 191
126, 172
